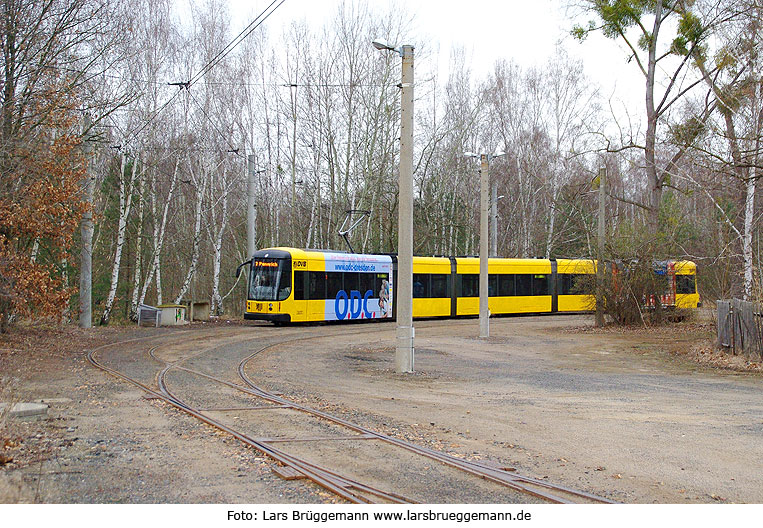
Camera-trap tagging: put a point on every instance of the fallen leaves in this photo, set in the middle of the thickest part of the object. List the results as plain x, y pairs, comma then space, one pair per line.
9, 443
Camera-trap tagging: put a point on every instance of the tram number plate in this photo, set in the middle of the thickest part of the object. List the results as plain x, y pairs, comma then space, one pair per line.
258, 307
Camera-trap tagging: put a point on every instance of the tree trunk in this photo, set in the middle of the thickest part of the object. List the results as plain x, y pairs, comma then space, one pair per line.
138, 251
201, 187
86, 256
159, 231
217, 300
125, 204
655, 183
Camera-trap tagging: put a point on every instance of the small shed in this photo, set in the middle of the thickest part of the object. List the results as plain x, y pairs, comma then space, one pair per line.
149, 314
173, 314
200, 311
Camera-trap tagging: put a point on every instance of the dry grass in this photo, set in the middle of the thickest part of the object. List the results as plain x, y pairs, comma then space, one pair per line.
693, 339
705, 353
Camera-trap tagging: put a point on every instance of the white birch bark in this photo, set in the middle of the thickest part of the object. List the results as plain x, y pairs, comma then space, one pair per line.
35, 250
125, 204
749, 212
159, 231
201, 187
138, 251
216, 306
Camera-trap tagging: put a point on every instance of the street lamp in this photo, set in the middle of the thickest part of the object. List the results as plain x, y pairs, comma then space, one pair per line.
484, 241
383, 46
404, 351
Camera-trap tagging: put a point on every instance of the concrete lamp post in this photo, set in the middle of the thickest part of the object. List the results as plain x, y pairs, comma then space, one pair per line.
484, 240
404, 351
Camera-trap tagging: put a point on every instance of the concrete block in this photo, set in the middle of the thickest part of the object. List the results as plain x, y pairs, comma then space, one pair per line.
200, 311
24, 410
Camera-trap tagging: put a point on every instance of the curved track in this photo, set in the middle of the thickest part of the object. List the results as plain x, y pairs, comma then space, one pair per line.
284, 416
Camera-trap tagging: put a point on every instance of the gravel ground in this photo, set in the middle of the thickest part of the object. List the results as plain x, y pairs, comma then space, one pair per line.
625, 414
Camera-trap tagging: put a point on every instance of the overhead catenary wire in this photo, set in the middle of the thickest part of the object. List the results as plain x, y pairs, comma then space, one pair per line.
186, 85
231, 148
254, 24
136, 80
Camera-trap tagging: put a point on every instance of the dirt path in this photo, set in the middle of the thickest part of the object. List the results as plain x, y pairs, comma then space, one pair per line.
601, 412
608, 413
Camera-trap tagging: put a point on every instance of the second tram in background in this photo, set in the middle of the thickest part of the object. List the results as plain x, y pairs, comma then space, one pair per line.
295, 285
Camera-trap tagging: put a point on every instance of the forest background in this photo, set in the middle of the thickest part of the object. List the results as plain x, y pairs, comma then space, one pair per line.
144, 116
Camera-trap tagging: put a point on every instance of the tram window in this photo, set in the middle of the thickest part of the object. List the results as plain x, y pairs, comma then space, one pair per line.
299, 285
524, 285
284, 286
506, 285
317, 287
685, 284
367, 283
540, 284
572, 284
492, 285
439, 286
420, 285
351, 282
563, 284
470, 285
334, 284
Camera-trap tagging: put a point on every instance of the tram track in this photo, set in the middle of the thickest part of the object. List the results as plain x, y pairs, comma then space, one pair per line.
345, 487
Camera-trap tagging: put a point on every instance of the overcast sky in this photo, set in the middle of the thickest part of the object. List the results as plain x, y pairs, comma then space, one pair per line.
523, 31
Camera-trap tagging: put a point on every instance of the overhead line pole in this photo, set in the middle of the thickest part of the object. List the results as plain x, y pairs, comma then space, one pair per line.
404, 352
251, 211
86, 231
484, 246
494, 219
404, 333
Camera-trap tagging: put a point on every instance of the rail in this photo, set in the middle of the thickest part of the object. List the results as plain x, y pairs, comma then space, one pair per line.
343, 486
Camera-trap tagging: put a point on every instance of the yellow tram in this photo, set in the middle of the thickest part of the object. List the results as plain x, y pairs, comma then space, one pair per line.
296, 285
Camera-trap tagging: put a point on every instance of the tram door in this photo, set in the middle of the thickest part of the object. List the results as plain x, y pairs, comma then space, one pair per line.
300, 304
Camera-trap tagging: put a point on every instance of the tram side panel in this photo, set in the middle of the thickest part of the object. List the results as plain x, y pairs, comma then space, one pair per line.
431, 287
349, 287
514, 286
574, 285
293, 285
367, 291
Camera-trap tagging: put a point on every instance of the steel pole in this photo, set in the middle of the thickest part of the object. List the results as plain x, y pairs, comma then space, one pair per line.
86, 231
494, 220
251, 211
404, 351
484, 243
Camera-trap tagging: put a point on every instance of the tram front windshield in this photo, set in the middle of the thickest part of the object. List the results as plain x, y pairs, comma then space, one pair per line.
270, 279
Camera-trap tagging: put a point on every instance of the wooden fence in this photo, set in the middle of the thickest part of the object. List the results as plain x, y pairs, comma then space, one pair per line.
740, 327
